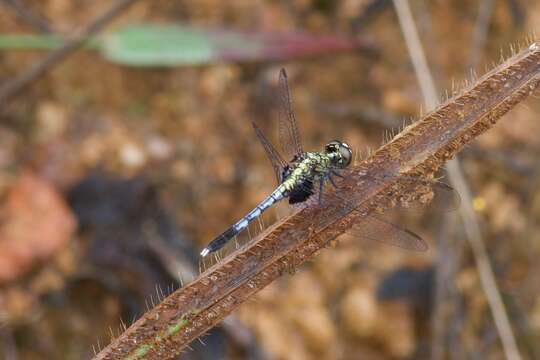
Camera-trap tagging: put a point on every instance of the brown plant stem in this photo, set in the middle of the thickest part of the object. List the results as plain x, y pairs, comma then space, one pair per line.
420, 149
35, 20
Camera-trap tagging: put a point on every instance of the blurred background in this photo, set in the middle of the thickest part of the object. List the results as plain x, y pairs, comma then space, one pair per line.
125, 157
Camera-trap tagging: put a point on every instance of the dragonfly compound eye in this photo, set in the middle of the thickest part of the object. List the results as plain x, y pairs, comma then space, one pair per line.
346, 154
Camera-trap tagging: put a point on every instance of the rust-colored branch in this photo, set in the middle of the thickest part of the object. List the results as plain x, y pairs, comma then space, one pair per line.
420, 149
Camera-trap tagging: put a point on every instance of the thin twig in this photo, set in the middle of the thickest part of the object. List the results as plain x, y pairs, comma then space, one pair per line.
53, 58
419, 150
28, 16
485, 9
446, 298
9, 348
457, 179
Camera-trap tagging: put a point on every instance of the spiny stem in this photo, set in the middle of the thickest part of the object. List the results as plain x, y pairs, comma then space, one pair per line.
420, 149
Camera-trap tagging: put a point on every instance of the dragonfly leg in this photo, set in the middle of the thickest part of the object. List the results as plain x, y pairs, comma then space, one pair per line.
336, 173
332, 180
321, 185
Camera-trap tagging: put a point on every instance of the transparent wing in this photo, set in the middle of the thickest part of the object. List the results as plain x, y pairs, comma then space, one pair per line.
424, 194
419, 194
289, 136
431, 195
373, 227
376, 228
273, 155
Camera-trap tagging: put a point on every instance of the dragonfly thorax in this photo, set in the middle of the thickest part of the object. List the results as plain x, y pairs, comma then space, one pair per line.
311, 166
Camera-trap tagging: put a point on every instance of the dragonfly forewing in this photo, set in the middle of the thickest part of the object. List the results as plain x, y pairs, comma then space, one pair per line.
289, 136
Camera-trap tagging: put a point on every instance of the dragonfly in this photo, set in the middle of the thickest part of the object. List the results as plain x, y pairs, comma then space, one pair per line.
306, 173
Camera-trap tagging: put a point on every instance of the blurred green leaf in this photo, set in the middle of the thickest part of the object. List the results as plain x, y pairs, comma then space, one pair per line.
155, 45
177, 45
37, 42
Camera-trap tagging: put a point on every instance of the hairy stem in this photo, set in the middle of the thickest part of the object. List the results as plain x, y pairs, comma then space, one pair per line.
420, 149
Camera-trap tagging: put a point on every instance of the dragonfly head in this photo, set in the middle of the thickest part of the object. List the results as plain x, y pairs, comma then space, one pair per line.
343, 152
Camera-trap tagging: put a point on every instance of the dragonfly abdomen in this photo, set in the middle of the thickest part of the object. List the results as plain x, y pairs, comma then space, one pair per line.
235, 229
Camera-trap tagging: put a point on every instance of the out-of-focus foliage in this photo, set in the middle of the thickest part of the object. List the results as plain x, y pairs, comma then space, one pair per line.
174, 45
